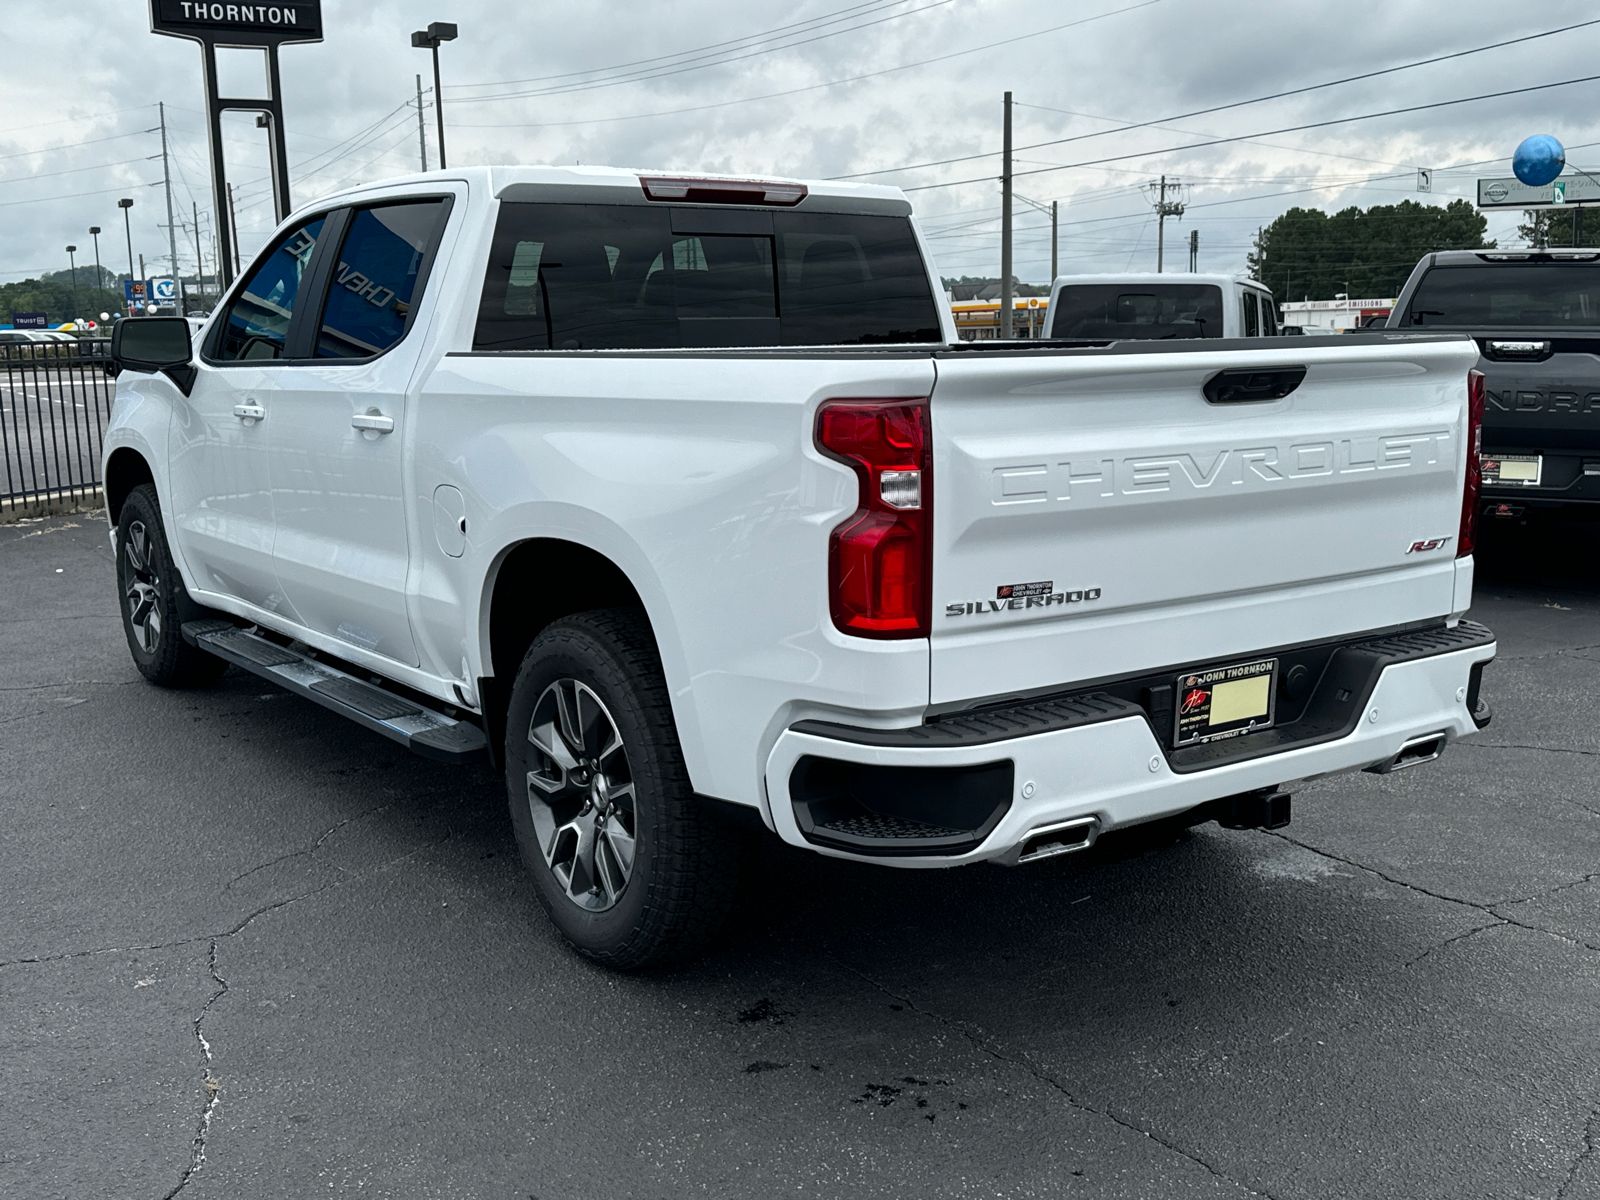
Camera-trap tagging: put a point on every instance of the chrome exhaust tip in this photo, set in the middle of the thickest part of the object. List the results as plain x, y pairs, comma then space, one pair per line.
1416, 751
1059, 837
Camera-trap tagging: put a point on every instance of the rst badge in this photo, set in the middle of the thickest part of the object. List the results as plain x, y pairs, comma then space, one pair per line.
1426, 545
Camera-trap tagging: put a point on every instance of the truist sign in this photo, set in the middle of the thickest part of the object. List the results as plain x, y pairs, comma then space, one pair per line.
282, 21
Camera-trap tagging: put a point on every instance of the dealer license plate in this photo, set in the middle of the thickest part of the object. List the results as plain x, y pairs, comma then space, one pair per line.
1225, 702
1524, 469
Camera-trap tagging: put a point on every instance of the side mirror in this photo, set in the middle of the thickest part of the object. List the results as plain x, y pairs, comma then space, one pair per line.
151, 344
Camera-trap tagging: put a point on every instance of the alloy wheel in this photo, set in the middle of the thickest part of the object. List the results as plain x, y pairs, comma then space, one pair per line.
142, 588
581, 794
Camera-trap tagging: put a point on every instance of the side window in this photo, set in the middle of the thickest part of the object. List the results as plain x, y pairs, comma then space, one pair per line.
1269, 315
374, 284
1252, 326
257, 323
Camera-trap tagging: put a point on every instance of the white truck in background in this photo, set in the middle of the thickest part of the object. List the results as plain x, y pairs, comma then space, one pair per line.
678, 499
1155, 306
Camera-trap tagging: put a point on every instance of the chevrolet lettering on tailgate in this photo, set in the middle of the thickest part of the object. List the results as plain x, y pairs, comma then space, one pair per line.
1085, 478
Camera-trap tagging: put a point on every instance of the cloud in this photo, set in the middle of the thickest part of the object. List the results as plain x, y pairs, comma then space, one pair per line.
580, 84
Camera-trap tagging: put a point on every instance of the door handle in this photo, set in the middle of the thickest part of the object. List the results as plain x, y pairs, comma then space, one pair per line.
372, 421
249, 411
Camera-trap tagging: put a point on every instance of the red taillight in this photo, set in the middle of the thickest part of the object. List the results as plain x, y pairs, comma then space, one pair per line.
1467, 537
779, 193
878, 560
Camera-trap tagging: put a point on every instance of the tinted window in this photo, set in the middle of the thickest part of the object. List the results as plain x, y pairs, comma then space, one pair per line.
1534, 294
1269, 315
1252, 327
374, 283
257, 324
1162, 310
617, 277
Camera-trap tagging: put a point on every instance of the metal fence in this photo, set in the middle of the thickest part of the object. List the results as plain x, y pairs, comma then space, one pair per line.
54, 406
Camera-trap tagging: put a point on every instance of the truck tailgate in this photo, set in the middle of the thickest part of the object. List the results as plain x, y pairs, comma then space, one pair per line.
1096, 516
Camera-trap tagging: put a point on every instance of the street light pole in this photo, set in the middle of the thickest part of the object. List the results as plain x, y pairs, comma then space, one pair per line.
99, 273
72, 252
430, 39
125, 204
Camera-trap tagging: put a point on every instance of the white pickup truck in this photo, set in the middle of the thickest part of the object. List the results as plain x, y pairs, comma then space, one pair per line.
679, 500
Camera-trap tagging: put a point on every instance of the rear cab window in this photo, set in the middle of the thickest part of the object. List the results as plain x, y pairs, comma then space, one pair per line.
608, 277
1508, 294
1122, 311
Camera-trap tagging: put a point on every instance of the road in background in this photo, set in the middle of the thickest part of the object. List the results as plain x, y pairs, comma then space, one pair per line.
53, 414
241, 934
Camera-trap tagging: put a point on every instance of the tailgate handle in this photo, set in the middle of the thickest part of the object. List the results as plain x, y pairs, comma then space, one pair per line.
1249, 386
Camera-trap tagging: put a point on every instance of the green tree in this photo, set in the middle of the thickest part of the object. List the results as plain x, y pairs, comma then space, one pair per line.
1309, 254
53, 294
1559, 227
987, 287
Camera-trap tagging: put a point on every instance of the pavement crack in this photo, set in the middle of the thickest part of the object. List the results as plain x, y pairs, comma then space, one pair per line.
1477, 745
1489, 910
1022, 1062
241, 925
197, 1149
1584, 1155
1460, 937
312, 849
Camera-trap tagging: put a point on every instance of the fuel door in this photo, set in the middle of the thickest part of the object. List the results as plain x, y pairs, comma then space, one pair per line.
450, 520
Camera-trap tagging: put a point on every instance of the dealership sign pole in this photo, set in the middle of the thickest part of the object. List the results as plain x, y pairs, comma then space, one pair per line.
249, 26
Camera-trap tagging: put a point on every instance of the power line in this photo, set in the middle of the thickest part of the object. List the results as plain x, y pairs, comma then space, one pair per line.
640, 78
673, 112
771, 34
1200, 112
1392, 112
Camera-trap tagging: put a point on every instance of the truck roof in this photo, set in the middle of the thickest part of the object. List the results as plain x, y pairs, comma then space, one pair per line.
1158, 277
622, 185
1457, 258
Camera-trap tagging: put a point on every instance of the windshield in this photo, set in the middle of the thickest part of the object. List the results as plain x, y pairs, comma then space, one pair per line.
1508, 294
1160, 310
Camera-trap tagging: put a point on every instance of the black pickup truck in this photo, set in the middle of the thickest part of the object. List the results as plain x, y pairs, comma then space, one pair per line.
1535, 315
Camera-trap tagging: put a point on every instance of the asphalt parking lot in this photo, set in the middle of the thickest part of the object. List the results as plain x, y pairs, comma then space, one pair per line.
249, 951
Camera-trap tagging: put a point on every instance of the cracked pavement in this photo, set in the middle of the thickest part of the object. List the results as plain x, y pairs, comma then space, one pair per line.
249, 951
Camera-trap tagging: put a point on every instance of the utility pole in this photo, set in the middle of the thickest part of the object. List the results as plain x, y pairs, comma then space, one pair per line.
1005, 230
125, 204
199, 260
233, 224
166, 174
1194, 251
422, 127
1055, 259
99, 275
1164, 208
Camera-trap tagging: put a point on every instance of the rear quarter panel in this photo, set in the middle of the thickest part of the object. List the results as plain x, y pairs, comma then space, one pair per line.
697, 476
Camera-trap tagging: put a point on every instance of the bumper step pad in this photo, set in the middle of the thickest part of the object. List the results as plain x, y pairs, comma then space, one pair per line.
399, 718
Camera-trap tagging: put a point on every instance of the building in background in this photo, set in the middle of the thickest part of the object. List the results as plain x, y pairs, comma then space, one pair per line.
1336, 315
977, 320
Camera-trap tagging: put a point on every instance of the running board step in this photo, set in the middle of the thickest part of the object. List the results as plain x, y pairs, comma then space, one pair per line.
415, 726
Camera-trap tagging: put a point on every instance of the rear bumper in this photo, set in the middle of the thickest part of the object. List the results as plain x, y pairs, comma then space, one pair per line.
1110, 765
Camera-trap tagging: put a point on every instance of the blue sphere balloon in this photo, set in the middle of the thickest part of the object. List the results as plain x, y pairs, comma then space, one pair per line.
1538, 160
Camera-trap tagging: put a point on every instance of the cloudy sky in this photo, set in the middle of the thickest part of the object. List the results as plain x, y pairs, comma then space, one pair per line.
818, 88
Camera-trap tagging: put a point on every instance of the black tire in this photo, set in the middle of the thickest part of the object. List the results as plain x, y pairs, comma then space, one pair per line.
153, 600
682, 870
